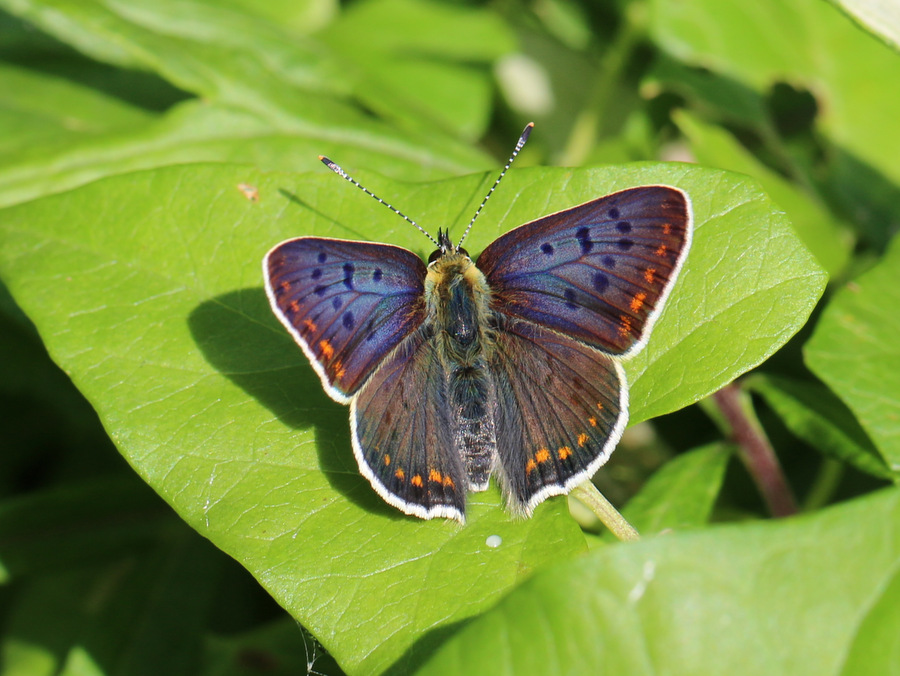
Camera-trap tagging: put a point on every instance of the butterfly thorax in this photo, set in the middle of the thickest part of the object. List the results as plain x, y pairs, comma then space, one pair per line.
458, 306
458, 300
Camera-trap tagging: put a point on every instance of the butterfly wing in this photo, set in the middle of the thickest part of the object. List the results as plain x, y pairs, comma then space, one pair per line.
402, 434
599, 272
561, 408
347, 304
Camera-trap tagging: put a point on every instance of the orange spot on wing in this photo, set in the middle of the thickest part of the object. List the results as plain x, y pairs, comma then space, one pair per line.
308, 323
294, 305
542, 456
327, 350
582, 438
400, 474
661, 251
448, 482
416, 480
339, 370
530, 465
387, 460
638, 301
286, 286
624, 325
600, 405
667, 228
593, 421
434, 475
564, 452
649, 275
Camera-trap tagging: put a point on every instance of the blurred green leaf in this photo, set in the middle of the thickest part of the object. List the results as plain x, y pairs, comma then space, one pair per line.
879, 17
828, 240
809, 44
423, 62
813, 413
876, 649
787, 597
130, 616
271, 99
157, 312
681, 493
855, 350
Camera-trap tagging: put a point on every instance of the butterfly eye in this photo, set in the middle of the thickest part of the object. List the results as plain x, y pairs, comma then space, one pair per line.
463, 252
434, 256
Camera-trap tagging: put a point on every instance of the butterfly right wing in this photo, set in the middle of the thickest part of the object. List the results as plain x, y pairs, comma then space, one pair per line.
402, 433
347, 304
561, 408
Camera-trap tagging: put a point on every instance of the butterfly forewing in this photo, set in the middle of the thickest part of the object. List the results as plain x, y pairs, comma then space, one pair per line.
598, 272
402, 434
561, 409
347, 304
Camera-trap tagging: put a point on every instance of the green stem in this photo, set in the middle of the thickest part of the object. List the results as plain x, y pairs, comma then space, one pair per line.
593, 499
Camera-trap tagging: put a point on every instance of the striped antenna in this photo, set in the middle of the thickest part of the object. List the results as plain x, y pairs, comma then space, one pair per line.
515, 152
343, 174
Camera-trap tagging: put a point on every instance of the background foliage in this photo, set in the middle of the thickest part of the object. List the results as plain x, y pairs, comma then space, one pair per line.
153, 151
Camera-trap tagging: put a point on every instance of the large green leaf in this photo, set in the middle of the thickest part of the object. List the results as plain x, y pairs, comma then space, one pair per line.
147, 290
787, 597
856, 352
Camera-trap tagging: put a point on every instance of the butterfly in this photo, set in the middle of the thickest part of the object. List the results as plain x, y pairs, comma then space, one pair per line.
507, 366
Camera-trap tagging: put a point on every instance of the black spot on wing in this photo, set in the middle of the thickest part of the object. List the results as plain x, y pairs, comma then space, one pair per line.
583, 235
348, 275
547, 248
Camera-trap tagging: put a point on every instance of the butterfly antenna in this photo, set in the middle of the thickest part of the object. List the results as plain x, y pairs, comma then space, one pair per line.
524, 137
343, 174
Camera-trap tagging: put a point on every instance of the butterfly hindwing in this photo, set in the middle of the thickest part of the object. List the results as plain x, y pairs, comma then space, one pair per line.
561, 409
402, 434
598, 272
347, 304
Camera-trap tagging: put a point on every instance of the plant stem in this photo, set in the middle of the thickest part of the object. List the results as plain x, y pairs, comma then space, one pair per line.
756, 450
593, 499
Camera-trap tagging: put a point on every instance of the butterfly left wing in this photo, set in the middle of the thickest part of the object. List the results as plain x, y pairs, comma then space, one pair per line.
598, 272
347, 304
561, 408
402, 433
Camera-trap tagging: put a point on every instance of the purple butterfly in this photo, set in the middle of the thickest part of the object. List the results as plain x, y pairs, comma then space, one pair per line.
507, 367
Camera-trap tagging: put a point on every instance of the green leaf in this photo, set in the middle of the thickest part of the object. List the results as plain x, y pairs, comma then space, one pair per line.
66, 527
147, 289
829, 241
810, 44
879, 17
135, 615
876, 649
422, 62
196, 131
786, 597
681, 494
269, 98
856, 352
813, 413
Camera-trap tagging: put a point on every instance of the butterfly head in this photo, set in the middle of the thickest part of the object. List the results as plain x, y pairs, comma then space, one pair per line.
445, 248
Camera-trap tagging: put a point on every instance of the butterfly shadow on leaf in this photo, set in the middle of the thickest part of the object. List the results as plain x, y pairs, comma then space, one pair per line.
238, 335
